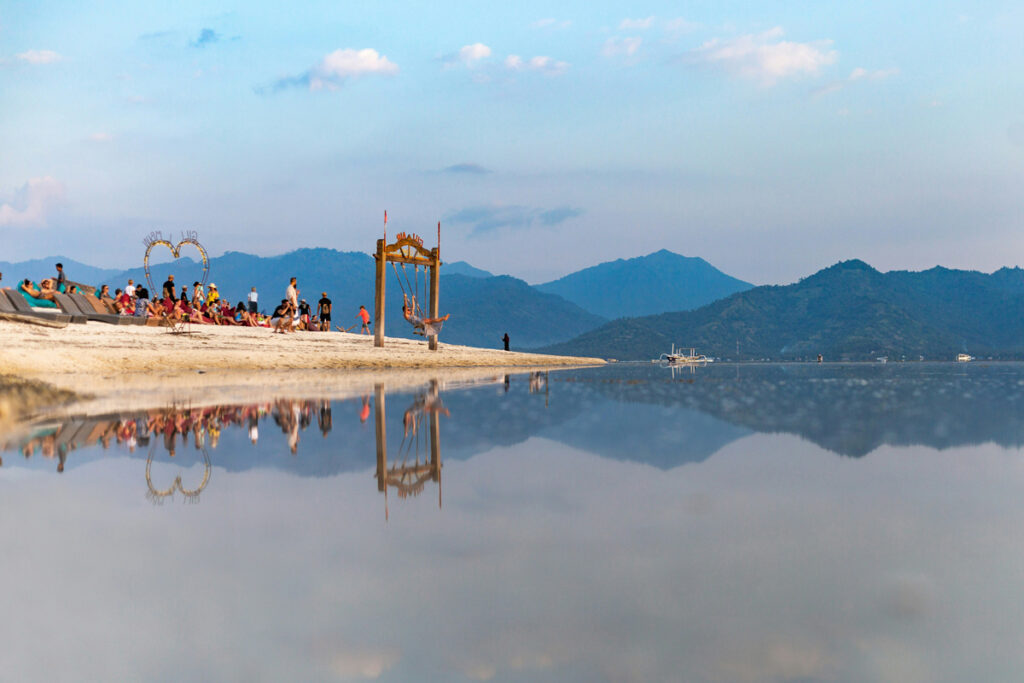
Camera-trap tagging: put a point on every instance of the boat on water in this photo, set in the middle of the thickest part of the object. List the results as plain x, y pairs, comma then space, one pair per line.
964, 358
677, 356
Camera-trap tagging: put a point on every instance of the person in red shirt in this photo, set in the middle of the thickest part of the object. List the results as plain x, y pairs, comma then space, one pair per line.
364, 315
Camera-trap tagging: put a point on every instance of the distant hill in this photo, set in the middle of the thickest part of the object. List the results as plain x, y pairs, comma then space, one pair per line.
482, 307
656, 283
849, 310
37, 269
463, 268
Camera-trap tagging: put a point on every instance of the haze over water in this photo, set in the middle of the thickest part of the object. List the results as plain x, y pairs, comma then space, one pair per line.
740, 522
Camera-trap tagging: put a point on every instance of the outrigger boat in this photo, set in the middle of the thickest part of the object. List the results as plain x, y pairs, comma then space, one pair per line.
964, 358
677, 356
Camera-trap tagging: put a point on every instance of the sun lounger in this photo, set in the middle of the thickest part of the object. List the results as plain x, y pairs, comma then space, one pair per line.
21, 307
65, 304
81, 303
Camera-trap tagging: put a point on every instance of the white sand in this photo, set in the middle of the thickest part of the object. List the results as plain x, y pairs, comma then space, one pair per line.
145, 366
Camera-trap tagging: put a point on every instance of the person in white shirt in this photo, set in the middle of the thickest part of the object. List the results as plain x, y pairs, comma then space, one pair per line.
253, 300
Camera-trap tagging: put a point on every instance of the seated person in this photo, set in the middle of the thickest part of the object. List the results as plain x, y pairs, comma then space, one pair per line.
44, 291
424, 326
282, 317
242, 316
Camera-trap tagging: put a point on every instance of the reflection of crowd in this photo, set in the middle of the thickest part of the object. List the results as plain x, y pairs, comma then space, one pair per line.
201, 427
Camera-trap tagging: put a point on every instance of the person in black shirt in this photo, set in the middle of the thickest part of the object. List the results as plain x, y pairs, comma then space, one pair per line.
324, 312
505, 339
303, 315
169, 288
61, 278
282, 317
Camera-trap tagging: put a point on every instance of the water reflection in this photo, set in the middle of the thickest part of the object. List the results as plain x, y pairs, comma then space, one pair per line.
645, 413
572, 545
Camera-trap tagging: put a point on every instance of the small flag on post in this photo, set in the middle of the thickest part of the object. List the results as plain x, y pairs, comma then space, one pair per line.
385, 217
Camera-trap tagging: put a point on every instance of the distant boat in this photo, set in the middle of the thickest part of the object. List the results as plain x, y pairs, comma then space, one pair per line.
964, 358
883, 359
677, 356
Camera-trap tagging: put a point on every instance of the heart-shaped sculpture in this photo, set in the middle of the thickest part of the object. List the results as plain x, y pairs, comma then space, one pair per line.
191, 495
176, 251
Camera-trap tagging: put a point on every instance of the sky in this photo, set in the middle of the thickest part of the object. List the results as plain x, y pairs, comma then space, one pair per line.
771, 139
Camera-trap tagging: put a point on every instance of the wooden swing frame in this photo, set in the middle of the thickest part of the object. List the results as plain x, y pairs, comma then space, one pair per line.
406, 249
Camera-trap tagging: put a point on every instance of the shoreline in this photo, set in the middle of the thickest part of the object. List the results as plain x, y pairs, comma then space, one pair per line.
115, 366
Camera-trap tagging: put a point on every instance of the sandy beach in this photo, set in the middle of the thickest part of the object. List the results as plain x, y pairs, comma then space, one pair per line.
145, 366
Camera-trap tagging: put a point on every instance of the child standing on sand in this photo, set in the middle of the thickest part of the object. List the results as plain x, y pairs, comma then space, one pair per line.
364, 315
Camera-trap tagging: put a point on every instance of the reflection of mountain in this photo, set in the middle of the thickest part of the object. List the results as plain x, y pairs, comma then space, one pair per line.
661, 436
847, 409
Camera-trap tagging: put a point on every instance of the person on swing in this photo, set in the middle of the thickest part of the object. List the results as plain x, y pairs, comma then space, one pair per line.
420, 324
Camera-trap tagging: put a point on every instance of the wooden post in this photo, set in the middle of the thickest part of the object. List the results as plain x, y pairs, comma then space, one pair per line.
435, 290
378, 299
435, 440
382, 437
435, 451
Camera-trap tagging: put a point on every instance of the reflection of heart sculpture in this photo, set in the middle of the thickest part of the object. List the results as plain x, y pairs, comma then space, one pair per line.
191, 495
176, 250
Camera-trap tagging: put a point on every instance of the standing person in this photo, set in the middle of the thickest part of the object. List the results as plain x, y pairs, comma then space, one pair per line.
292, 294
303, 315
213, 296
61, 278
324, 312
130, 289
169, 291
505, 340
184, 294
364, 315
198, 295
253, 301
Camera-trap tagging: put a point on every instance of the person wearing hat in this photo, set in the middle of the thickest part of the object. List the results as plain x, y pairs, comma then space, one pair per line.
304, 315
324, 312
213, 297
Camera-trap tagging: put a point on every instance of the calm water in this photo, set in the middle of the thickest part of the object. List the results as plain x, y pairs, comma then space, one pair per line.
630, 523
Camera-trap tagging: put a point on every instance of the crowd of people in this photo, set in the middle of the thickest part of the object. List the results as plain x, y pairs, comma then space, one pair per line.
201, 305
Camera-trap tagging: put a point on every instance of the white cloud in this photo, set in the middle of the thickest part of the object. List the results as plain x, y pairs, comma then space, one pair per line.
32, 202
349, 63
101, 137
765, 58
38, 57
614, 47
541, 64
473, 53
336, 68
636, 24
858, 74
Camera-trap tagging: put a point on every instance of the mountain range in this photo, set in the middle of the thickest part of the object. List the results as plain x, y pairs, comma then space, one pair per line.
482, 306
659, 282
847, 311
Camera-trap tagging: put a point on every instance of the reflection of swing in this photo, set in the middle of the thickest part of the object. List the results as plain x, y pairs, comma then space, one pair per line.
408, 249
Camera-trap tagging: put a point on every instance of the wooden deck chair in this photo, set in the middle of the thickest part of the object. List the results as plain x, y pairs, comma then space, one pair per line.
86, 306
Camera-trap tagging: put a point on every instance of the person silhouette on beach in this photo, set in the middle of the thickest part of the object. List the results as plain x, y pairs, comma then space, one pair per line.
505, 340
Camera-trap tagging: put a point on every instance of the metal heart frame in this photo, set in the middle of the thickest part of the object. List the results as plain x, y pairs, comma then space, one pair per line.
176, 251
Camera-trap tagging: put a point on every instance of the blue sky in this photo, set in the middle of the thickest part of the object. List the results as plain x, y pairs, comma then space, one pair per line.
772, 139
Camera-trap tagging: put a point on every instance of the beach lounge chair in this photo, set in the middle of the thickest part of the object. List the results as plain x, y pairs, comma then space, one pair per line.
22, 307
85, 306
